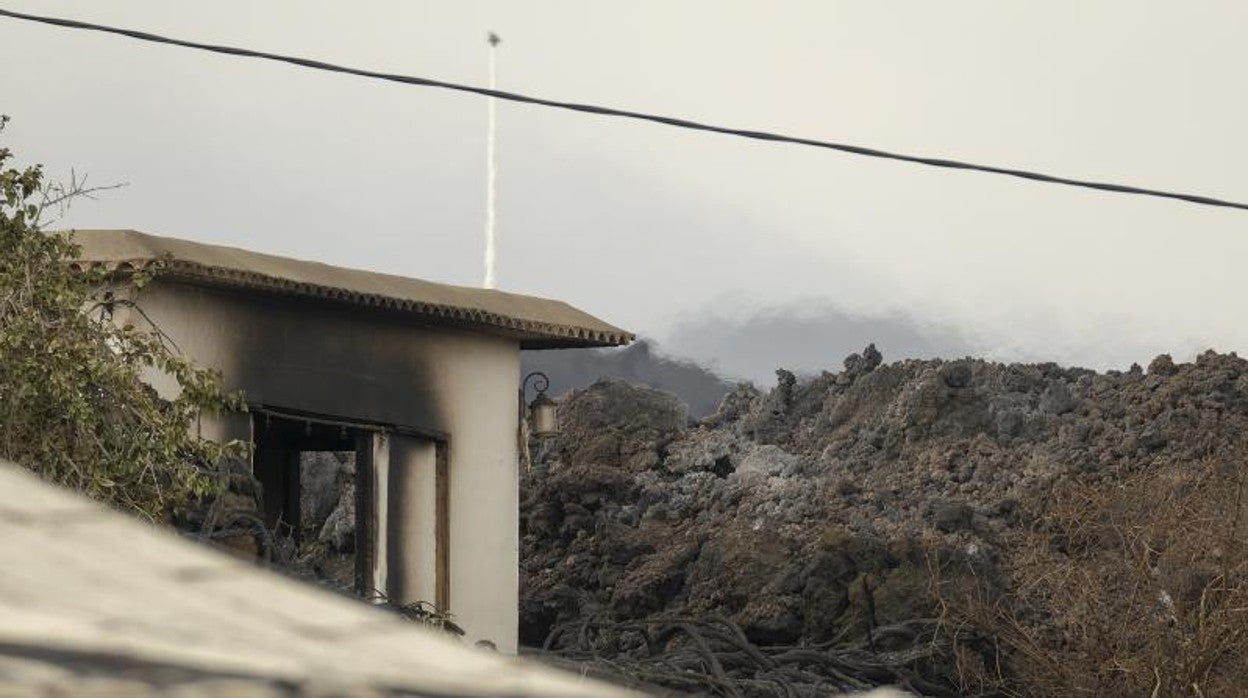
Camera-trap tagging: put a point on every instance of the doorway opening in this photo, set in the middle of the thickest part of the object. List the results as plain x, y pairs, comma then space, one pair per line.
307, 470
359, 507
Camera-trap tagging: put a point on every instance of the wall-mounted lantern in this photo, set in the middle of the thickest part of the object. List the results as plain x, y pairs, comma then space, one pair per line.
543, 412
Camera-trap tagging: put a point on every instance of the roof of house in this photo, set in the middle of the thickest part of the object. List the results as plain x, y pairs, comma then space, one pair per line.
91, 596
538, 323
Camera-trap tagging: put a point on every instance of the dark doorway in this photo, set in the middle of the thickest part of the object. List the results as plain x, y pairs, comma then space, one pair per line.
280, 445
307, 469
356, 506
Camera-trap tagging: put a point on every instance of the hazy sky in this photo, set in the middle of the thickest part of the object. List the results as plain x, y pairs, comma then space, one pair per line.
666, 231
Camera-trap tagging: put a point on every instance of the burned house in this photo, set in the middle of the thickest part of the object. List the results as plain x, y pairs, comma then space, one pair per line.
415, 382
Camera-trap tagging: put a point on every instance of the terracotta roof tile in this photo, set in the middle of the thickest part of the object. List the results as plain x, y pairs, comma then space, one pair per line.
537, 322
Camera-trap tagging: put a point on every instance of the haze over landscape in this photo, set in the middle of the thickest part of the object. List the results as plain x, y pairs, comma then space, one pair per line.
895, 423
741, 255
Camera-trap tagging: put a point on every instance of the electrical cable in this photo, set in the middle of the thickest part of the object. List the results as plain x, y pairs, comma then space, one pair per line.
641, 116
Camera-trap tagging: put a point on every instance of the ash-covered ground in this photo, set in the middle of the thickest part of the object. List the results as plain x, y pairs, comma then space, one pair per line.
883, 496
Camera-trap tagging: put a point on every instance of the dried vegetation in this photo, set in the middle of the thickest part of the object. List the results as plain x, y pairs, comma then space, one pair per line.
1137, 586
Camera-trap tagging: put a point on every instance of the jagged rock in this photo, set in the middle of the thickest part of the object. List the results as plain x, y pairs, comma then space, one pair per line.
766, 459
785, 382
871, 358
1156, 435
1162, 365
615, 423
950, 516
1057, 399
956, 374
322, 477
338, 531
735, 405
704, 449
648, 587
861, 364
776, 510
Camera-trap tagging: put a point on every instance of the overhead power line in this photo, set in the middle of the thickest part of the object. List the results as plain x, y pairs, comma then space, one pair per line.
641, 116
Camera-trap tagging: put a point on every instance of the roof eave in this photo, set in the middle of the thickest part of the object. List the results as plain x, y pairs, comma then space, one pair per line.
532, 335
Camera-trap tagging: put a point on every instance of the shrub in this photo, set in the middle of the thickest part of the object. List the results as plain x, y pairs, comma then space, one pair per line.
73, 405
1125, 587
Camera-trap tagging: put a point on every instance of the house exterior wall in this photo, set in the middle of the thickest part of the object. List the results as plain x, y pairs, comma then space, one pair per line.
361, 365
413, 536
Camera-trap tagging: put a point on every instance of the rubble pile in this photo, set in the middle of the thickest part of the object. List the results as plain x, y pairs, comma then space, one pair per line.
826, 507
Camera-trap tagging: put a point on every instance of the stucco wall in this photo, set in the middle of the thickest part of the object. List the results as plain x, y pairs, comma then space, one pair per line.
347, 362
412, 536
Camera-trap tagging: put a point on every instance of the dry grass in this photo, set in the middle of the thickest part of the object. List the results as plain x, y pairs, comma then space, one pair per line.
1132, 587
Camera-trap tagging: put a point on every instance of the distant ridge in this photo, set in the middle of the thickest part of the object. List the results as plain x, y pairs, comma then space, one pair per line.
697, 386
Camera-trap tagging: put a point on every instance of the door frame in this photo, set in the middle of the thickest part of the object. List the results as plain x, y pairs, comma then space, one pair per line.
368, 436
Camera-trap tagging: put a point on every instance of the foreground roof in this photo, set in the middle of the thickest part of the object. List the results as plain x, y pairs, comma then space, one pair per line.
538, 323
91, 596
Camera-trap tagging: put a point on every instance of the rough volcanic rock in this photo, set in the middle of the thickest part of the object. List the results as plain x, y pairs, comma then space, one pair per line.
823, 506
613, 423
323, 475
